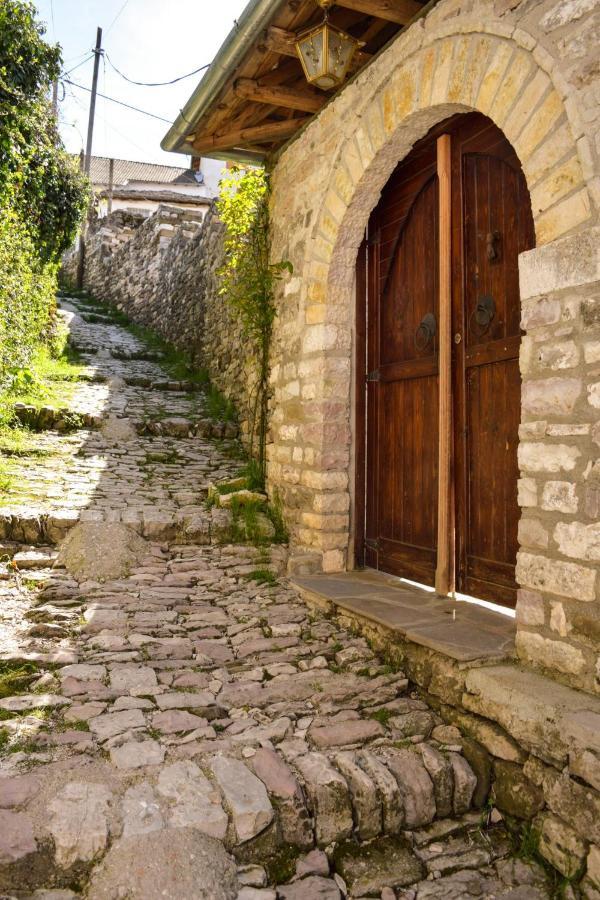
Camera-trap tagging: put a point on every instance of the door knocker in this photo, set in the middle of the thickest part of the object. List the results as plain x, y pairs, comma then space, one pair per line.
481, 317
425, 332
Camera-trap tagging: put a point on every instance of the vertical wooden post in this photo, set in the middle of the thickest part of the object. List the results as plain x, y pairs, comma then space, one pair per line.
443, 572
111, 182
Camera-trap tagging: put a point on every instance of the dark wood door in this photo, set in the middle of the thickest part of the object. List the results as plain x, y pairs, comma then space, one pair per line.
492, 225
398, 271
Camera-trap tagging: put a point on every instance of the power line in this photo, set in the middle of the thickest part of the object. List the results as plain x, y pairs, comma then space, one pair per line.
83, 61
119, 102
156, 83
117, 16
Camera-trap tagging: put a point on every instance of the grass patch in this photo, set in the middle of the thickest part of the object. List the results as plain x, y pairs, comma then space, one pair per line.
262, 576
16, 677
382, 716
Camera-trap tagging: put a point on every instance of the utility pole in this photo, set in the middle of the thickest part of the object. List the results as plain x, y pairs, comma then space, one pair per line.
87, 162
90, 133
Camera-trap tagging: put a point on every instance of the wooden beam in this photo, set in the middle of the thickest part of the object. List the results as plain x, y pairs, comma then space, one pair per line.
278, 40
444, 567
398, 11
256, 134
289, 97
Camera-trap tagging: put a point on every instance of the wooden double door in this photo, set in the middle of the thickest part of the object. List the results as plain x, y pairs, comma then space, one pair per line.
486, 212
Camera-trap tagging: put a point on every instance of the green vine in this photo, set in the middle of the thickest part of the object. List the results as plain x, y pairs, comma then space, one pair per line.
247, 281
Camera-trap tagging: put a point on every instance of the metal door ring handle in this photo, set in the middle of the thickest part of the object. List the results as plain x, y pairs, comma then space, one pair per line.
426, 331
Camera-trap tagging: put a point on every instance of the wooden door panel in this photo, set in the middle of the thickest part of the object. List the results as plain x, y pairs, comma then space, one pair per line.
493, 412
402, 401
408, 477
491, 203
496, 225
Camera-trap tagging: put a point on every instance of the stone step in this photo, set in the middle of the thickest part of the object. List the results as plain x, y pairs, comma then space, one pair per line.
147, 383
50, 418
193, 525
180, 427
143, 354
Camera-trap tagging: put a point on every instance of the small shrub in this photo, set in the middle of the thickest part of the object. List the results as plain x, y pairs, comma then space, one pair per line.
262, 576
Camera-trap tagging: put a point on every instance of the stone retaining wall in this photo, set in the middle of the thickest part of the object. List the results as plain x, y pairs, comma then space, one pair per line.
534, 745
161, 271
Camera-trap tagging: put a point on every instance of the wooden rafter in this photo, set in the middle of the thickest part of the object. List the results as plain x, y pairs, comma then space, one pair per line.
268, 131
290, 98
398, 11
257, 108
279, 40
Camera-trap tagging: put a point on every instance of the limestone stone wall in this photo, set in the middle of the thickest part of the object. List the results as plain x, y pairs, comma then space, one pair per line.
161, 270
532, 68
533, 744
559, 491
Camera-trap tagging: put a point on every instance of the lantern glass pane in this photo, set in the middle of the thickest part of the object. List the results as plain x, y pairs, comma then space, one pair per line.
339, 56
311, 48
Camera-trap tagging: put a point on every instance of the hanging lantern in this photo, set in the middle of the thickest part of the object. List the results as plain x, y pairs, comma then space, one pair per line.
326, 52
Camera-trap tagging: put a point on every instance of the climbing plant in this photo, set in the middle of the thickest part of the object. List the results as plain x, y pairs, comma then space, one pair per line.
247, 282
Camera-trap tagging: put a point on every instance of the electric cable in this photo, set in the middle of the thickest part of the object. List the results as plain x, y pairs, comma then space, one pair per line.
119, 102
156, 83
83, 61
117, 16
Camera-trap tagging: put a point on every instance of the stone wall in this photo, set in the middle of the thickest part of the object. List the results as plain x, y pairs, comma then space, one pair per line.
559, 492
533, 744
161, 271
532, 69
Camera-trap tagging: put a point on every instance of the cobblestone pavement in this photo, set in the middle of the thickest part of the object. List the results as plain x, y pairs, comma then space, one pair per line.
186, 732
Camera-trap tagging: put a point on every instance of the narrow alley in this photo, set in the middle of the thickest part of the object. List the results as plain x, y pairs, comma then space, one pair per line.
175, 722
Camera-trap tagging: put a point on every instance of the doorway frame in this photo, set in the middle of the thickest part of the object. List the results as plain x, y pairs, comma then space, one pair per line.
447, 516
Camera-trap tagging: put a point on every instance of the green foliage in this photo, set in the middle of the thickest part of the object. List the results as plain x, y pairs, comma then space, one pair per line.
15, 677
262, 576
382, 716
219, 407
247, 281
26, 295
42, 195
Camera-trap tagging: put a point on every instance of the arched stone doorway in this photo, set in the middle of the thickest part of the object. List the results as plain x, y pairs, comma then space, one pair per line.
436, 484
343, 160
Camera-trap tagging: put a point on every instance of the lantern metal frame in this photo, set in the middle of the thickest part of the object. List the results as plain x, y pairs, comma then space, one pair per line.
326, 28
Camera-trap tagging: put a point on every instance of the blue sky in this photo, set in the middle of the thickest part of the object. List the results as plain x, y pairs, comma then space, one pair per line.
148, 40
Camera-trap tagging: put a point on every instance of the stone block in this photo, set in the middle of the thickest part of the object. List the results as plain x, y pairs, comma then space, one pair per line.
565, 263
556, 577
532, 534
530, 608
578, 540
560, 496
514, 793
366, 803
246, 797
558, 355
416, 786
550, 654
560, 845
329, 796
543, 716
527, 492
542, 457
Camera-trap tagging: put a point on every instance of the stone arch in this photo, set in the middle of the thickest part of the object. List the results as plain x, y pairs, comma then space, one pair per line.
422, 79
469, 72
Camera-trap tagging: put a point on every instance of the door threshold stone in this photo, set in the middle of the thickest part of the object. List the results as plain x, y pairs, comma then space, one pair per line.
461, 631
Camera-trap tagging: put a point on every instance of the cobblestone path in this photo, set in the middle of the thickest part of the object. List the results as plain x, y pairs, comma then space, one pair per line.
184, 731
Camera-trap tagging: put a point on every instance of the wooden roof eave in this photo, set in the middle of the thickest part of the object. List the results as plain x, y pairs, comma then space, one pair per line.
218, 121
